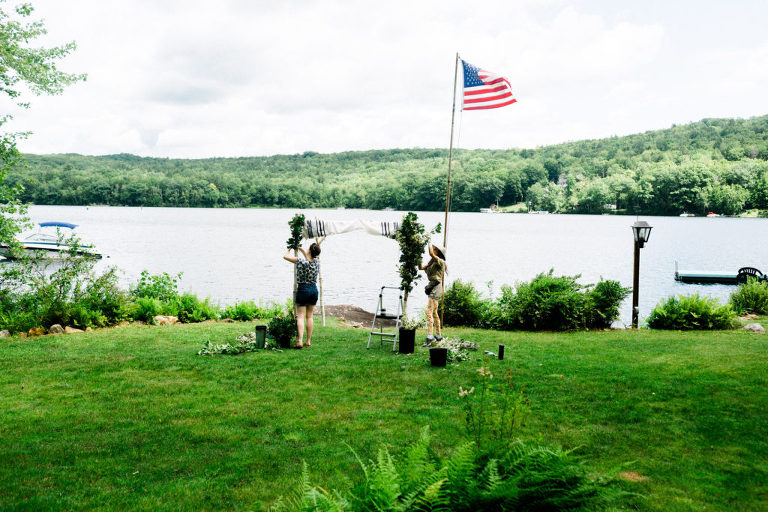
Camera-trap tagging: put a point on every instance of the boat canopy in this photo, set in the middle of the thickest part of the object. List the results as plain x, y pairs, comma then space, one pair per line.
57, 225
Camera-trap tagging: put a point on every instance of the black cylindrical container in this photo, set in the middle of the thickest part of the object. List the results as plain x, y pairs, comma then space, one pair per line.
407, 340
438, 356
501, 352
261, 335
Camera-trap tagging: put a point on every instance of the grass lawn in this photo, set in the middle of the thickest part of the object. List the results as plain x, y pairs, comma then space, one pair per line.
133, 418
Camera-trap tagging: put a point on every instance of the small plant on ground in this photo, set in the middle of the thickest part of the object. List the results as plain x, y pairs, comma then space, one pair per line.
244, 343
691, 313
751, 297
494, 410
282, 329
458, 349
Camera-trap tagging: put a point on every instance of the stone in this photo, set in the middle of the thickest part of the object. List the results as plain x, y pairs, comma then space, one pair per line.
165, 320
56, 329
228, 321
89, 329
36, 331
72, 330
754, 328
5, 333
123, 323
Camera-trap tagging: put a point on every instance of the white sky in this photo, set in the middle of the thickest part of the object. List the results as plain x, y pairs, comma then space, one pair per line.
188, 79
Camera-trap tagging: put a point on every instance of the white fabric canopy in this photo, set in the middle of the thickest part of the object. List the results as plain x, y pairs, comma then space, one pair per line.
321, 228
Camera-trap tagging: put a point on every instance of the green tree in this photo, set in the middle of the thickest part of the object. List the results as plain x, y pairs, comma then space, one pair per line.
727, 199
34, 68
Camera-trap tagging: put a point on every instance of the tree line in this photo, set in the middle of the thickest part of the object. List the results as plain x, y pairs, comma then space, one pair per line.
718, 165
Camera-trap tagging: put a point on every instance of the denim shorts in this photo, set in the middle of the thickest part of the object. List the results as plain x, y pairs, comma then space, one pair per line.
306, 294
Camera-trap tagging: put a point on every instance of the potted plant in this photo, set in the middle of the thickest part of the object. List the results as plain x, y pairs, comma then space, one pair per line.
407, 334
413, 239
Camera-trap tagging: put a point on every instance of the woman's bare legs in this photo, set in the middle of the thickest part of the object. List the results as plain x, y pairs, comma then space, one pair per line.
430, 317
301, 312
433, 316
310, 324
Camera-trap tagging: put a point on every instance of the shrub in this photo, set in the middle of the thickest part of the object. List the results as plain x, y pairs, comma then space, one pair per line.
39, 292
604, 301
282, 329
463, 305
549, 303
555, 303
242, 311
164, 287
691, 313
501, 312
147, 308
190, 309
751, 297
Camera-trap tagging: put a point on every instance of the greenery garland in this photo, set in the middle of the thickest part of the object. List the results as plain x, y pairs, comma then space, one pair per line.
297, 225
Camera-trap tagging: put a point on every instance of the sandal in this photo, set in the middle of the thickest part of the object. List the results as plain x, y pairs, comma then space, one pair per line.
297, 347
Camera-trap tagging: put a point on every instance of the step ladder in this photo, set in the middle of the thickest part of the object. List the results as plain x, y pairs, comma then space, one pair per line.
387, 309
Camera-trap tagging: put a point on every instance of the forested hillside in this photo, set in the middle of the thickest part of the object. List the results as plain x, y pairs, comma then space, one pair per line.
718, 165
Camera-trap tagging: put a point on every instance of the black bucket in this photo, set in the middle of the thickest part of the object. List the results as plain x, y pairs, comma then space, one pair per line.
261, 335
407, 340
438, 356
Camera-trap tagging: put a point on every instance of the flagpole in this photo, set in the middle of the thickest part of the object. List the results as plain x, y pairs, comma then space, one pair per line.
450, 156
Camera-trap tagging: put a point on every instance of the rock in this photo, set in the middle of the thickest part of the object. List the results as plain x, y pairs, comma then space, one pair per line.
5, 333
36, 331
72, 330
165, 320
89, 329
56, 329
754, 328
228, 321
123, 323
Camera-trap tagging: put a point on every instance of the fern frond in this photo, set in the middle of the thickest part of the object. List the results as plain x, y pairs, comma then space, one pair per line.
416, 465
435, 498
460, 475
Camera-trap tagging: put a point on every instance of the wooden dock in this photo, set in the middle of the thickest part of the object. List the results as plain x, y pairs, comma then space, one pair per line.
716, 277
706, 277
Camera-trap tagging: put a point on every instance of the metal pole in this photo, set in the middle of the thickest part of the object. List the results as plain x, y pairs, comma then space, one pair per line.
448, 186
635, 286
450, 156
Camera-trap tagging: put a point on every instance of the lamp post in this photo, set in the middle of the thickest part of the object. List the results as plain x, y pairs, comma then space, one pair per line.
641, 231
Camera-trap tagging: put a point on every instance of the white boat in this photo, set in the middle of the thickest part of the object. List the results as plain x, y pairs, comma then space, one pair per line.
49, 241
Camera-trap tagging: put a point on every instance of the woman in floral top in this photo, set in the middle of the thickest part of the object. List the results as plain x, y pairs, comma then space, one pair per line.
307, 270
435, 270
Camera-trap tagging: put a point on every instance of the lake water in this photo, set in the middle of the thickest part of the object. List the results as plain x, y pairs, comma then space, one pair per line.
236, 254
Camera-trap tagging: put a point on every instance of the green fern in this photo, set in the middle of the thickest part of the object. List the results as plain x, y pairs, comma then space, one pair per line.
460, 474
434, 498
416, 466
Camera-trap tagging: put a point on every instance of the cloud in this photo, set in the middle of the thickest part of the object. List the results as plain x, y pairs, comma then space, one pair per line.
235, 77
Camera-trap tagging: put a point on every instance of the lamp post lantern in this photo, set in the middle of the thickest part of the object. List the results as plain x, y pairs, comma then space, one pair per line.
641, 232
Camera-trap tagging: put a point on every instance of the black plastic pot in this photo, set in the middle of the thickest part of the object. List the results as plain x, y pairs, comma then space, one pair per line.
407, 340
261, 335
438, 356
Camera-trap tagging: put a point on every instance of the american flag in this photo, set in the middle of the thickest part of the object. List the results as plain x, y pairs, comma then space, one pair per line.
485, 90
